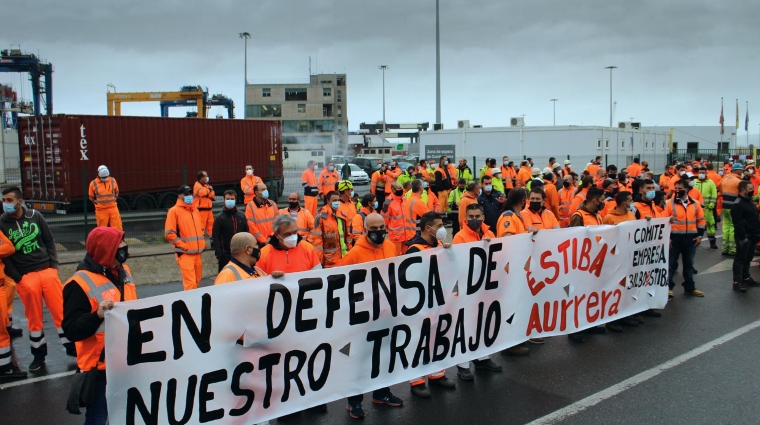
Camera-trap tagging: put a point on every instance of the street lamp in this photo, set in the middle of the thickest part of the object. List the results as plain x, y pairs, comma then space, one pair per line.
245, 36
554, 107
383, 68
610, 68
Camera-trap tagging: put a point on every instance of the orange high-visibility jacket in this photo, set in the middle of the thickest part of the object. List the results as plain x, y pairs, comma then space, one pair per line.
696, 195
304, 219
299, 259
467, 200
260, 219
357, 223
634, 170
523, 177
98, 288
364, 252
468, 235
104, 194
328, 181
6, 250
566, 196
613, 217
393, 213
184, 230
665, 182
414, 208
507, 174
247, 185
688, 219
309, 183
390, 177
644, 210
511, 223
453, 174
203, 196
587, 218
729, 188
552, 198
233, 273
578, 199
378, 181
541, 221
330, 237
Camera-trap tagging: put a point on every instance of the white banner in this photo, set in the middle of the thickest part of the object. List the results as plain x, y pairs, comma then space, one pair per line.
317, 336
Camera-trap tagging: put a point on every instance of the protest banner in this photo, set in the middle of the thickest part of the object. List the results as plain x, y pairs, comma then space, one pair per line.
249, 351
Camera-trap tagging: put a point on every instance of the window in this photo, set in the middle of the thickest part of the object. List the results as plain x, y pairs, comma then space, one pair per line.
622, 144
607, 144
598, 143
317, 153
341, 81
326, 91
311, 126
692, 147
663, 145
387, 151
327, 110
723, 146
372, 151
340, 126
326, 82
311, 140
295, 94
646, 145
339, 95
340, 111
266, 92
301, 108
263, 111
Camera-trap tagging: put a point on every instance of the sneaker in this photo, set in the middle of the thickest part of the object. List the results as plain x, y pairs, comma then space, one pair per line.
576, 337
391, 400
614, 327
696, 293
516, 351
443, 382
487, 364
629, 321
37, 364
750, 282
670, 294
71, 349
537, 341
739, 287
421, 391
356, 411
465, 374
12, 371
14, 332
650, 313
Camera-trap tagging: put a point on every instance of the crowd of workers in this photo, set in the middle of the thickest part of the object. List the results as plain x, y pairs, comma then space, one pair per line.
402, 214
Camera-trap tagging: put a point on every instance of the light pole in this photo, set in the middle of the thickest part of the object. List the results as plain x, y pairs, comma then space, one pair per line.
245, 36
437, 66
610, 68
383, 68
554, 102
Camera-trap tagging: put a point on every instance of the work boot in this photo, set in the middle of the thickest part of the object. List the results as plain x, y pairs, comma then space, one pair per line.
11, 371
750, 282
465, 374
443, 382
576, 337
71, 349
37, 364
739, 287
14, 332
537, 341
614, 327
421, 391
698, 293
629, 321
516, 351
653, 313
713, 244
487, 364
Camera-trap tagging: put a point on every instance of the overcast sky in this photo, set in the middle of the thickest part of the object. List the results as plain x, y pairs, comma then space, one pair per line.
499, 59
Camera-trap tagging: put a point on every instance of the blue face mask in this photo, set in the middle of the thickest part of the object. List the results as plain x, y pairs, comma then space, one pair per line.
9, 208
424, 185
445, 162
265, 194
352, 194
188, 199
374, 206
650, 195
335, 205
229, 203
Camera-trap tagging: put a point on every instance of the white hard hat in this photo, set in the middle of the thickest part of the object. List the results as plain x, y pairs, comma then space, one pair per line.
536, 171
556, 165
495, 171
567, 162
547, 170
103, 171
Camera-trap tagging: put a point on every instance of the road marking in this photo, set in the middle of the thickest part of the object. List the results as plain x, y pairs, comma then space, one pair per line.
33, 380
724, 266
594, 399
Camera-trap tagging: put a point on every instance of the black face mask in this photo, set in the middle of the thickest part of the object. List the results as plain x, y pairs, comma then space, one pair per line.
393, 167
680, 193
399, 192
376, 236
122, 254
474, 224
566, 185
255, 253
293, 205
599, 206
614, 192
536, 206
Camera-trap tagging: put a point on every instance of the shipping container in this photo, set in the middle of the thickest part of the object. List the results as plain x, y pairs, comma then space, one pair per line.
578, 144
149, 157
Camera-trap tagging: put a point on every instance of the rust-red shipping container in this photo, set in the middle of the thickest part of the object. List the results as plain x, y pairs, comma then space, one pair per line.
149, 157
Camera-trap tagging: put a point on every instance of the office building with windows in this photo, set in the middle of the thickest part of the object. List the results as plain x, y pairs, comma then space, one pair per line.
313, 113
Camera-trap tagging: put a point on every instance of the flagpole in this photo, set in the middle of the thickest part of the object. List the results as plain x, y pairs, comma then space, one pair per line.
721, 120
746, 122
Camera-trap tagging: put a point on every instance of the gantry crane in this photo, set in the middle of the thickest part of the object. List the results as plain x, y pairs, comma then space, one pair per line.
215, 100
195, 93
14, 60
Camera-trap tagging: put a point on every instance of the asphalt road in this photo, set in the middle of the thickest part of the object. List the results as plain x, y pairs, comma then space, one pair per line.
695, 365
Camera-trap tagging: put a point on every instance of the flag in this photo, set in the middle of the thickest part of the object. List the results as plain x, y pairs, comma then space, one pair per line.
746, 119
737, 114
720, 121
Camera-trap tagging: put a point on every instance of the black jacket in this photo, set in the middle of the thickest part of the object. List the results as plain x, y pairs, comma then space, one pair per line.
491, 208
746, 221
226, 224
417, 239
35, 247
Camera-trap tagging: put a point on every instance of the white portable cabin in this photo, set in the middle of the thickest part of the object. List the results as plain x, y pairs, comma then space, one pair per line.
616, 146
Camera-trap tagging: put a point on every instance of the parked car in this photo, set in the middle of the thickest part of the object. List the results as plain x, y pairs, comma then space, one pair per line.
366, 163
358, 176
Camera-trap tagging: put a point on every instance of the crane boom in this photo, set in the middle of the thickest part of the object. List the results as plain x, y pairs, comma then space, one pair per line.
195, 93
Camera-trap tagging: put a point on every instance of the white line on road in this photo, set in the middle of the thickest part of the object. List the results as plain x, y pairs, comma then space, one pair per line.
33, 380
594, 399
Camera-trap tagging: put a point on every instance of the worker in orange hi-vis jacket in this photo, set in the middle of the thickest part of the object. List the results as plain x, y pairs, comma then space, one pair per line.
248, 184
183, 230
310, 188
203, 200
103, 193
8, 370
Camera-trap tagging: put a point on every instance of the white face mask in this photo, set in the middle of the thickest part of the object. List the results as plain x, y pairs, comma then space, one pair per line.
249, 172
316, 168
702, 176
692, 183
441, 234
751, 171
291, 241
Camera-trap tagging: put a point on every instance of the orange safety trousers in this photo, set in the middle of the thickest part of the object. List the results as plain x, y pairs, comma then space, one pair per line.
108, 217
311, 204
10, 294
32, 289
5, 339
433, 376
191, 267
207, 221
